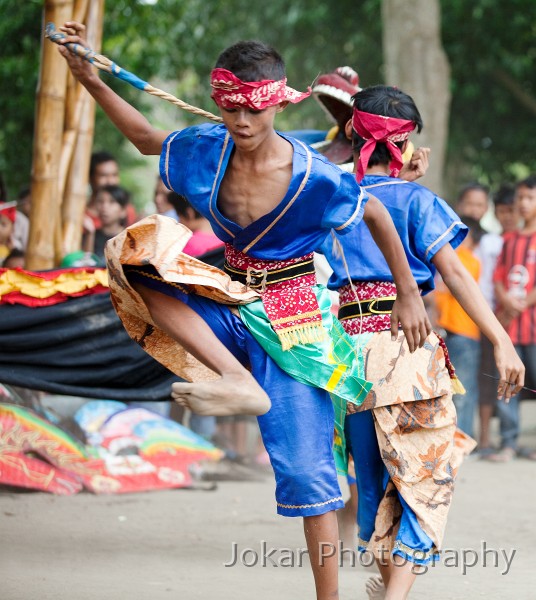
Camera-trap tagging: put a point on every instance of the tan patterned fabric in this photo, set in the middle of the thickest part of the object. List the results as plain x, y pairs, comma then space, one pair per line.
415, 420
422, 450
397, 375
158, 241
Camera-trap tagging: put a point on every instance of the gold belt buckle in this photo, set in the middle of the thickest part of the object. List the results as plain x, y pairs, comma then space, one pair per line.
256, 279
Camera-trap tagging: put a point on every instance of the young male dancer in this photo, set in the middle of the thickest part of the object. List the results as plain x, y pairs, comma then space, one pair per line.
272, 201
402, 437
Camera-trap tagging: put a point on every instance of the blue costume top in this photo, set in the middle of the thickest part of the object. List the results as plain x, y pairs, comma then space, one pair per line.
320, 197
424, 222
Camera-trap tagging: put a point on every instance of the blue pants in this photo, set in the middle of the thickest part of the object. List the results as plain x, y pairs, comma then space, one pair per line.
465, 355
508, 414
298, 429
372, 478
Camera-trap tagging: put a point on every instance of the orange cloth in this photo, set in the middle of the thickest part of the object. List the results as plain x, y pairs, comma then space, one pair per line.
452, 317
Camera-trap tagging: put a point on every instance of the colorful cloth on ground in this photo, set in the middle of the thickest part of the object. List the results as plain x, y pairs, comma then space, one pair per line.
46, 288
516, 270
424, 222
331, 364
451, 315
36, 454
320, 196
228, 90
379, 129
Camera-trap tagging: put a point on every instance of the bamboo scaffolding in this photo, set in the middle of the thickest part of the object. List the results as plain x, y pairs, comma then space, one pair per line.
49, 123
75, 195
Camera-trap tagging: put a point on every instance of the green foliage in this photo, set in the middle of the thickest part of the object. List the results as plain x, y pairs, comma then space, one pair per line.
174, 44
20, 31
490, 45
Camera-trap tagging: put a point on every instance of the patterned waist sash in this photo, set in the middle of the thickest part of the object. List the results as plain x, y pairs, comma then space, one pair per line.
286, 289
373, 305
371, 310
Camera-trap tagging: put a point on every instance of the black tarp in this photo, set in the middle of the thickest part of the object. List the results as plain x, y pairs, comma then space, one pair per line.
80, 348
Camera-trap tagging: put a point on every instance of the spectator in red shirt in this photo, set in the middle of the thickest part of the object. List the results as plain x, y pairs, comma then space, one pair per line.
515, 291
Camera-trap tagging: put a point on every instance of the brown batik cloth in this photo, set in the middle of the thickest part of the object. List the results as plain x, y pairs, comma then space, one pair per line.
415, 420
158, 241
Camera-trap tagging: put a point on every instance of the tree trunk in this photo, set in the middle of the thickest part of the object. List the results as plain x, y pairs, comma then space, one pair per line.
75, 195
416, 63
49, 120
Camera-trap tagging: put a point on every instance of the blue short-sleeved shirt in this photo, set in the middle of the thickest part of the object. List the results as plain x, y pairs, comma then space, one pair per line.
424, 222
320, 197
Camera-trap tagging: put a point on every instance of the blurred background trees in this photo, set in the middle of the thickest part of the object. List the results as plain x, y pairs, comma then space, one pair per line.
487, 45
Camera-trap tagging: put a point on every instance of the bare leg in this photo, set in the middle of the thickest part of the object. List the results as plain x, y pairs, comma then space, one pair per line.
401, 578
322, 537
376, 586
236, 392
347, 522
395, 581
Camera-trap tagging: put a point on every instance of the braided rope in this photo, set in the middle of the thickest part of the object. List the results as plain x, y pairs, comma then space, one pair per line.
103, 63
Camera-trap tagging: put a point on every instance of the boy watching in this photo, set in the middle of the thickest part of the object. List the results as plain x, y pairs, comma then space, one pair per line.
514, 278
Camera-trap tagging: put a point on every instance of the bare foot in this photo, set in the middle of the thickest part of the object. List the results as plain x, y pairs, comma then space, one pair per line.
230, 395
375, 588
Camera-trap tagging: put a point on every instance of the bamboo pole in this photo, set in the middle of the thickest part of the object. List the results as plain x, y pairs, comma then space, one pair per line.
74, 103
75, 196
47, 144
80, 10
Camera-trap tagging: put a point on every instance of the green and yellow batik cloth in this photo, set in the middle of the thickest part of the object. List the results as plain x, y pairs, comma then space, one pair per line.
334, 364
154, 246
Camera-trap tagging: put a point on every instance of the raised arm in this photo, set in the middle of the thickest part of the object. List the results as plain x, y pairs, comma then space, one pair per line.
408, 308
125, 117
466, 291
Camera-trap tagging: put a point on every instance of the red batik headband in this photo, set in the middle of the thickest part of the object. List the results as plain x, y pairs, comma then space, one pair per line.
228, 91
379, 129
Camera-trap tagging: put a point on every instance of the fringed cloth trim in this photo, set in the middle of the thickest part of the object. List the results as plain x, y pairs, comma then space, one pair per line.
18, 286
290, 301
457, 385
379, 291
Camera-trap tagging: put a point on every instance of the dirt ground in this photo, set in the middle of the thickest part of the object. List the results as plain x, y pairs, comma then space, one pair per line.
173, 544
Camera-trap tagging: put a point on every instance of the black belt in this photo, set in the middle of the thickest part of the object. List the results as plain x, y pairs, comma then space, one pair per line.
367, 308
258, 279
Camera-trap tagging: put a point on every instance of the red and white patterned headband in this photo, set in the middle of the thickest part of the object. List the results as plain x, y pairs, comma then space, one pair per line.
228, 91
379, 129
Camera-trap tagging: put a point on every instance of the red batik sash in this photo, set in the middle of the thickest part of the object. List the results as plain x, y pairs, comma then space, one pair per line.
289, 300
366, 290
